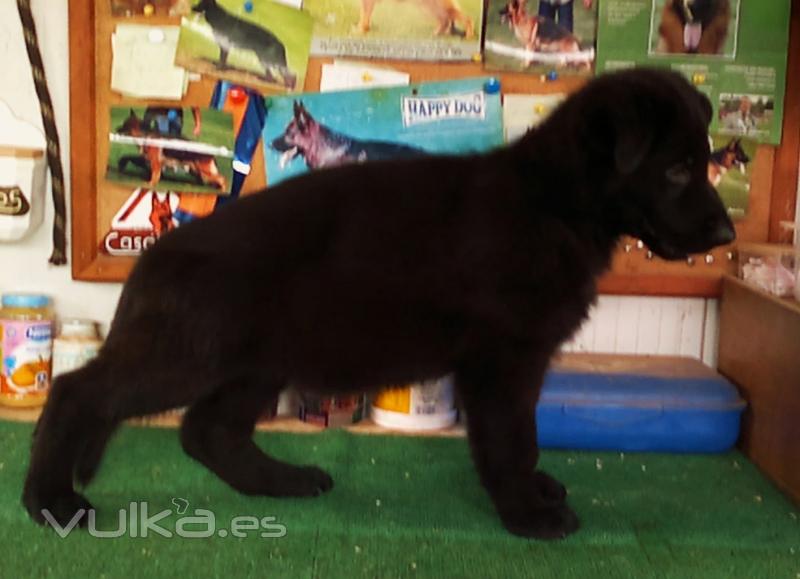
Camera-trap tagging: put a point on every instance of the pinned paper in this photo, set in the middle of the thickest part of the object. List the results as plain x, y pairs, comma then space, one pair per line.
343, 75
143, 62
522, 112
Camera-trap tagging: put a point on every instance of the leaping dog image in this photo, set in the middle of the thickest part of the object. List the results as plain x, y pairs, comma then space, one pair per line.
232, 33
694, 26
447, 13
727, 157
321, 146
155, 158
536, 33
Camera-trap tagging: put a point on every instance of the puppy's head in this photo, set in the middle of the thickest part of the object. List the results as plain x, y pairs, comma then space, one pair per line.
646, 132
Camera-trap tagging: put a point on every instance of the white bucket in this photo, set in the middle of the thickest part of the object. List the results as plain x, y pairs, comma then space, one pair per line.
425, 406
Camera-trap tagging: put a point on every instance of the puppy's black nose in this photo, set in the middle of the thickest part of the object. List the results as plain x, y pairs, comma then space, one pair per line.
723, 233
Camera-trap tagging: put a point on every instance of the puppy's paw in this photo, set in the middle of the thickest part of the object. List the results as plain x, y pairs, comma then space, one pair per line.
547, 523
551, 492
309, 481
291, 481
66, 510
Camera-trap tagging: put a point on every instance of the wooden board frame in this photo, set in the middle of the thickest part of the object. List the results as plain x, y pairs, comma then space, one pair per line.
774, 181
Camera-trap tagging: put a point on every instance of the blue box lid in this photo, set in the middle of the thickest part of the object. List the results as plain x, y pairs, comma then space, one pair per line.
570, 388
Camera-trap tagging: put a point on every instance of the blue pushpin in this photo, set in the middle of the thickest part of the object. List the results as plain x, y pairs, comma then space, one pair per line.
248, 6
492, 86
172, 114
552, 75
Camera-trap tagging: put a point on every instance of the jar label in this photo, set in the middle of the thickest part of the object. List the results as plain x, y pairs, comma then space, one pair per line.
25, 354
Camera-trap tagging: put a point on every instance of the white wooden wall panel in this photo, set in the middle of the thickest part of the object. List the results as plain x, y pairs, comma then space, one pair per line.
650, 326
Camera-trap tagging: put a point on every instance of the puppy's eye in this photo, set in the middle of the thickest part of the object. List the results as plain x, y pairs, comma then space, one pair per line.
679, 174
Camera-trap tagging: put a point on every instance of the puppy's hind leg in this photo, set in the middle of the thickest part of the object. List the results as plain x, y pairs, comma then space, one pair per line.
67, 423
83, 410
499, 393
217, 432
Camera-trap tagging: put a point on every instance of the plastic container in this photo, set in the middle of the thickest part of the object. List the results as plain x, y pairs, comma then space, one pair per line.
633, 412
26, 346
77, 343
769, 267
426, 406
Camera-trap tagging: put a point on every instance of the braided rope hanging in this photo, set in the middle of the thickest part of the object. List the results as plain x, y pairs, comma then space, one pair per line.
59, 255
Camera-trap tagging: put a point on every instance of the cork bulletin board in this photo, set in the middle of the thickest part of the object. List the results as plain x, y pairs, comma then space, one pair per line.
94, 199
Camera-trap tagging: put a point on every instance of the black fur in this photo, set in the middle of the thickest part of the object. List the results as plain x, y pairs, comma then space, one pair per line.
393, 272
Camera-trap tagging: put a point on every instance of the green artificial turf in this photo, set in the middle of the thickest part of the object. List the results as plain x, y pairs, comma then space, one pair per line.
410, 507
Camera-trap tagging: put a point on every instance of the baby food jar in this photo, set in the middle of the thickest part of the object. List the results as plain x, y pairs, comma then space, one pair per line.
26, 345
77, 343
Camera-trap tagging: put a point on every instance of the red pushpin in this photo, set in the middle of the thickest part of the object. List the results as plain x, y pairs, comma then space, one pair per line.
237, 95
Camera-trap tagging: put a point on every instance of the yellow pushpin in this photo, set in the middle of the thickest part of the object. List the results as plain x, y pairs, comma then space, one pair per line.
539, 109
477, 57
698, 78
149, 9
367, 77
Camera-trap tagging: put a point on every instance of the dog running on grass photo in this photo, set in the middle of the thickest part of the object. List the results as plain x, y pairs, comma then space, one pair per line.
392, 272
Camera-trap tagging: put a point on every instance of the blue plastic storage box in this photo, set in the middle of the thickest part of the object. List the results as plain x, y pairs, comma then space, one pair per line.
635, 412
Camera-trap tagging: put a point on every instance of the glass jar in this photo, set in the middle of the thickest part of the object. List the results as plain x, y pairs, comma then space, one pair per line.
26, 346
77, 343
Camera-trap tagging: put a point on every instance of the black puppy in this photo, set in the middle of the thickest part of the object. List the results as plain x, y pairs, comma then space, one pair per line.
393, 272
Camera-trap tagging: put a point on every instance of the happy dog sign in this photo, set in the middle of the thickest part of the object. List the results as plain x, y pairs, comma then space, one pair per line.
418, 110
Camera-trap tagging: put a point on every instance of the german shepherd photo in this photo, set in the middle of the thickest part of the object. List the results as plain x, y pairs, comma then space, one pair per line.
266, 47
705, 27
320, 146
318, 130
523, 35
449, 16
397, 29
725, 158
393, 272
730, 171
164, 154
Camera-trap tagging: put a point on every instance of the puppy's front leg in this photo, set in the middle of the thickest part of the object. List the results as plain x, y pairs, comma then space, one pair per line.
499, 393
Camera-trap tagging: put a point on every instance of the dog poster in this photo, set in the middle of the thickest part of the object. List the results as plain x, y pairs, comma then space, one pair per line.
260, 43
537, 36
433, 30
706, 28
730, 170
314, 131
171, 149
733, 53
